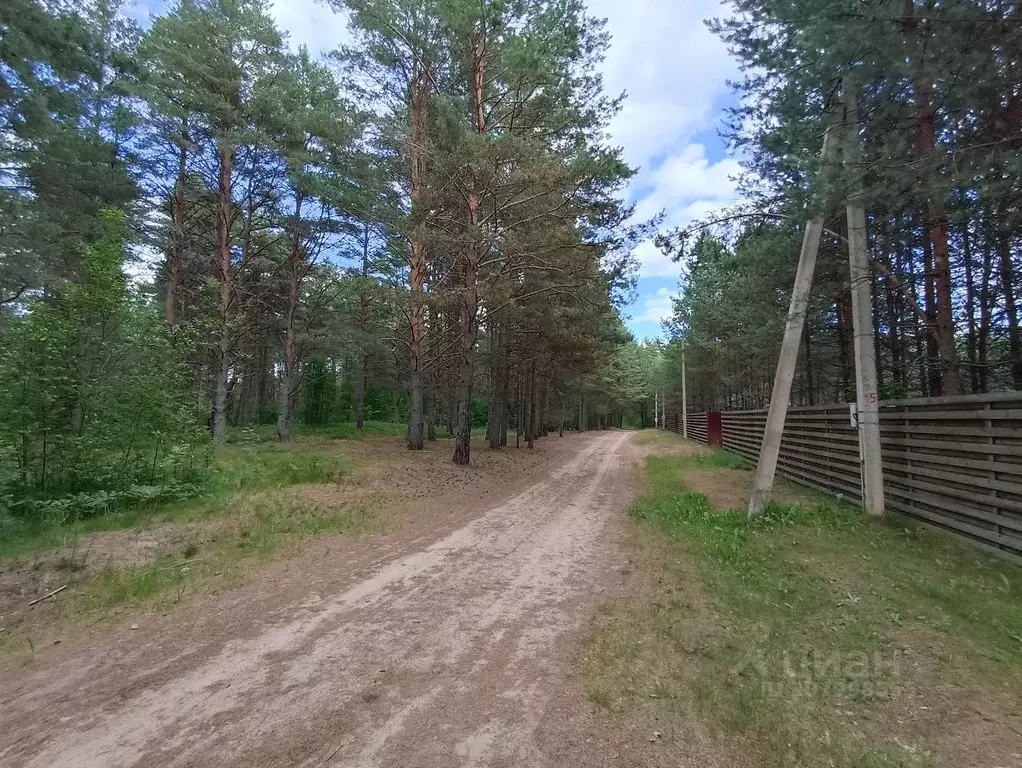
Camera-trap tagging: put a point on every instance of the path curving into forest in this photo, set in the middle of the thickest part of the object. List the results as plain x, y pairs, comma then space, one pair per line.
454, 652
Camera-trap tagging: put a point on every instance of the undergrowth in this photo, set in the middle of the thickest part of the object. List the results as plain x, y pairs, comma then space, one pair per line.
245, 514
245, 468
267, 433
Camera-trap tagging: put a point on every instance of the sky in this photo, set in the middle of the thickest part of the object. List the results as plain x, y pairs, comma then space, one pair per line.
674, 71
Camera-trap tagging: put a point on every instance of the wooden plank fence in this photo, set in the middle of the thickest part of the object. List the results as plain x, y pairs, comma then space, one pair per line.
696, 424
954, 463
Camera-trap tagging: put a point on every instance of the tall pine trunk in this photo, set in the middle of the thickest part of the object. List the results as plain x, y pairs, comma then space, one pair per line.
936, 229
467, 315
263, 375
431, 409
418, 98
897, 329
934, 374
222, 275
492, 404
361, 361
496, 421
544, 406
807, 339
970, 304
359, 385
1007, 275
920, 331
846, 353
537, 402
985, 314
529, 409
471, 257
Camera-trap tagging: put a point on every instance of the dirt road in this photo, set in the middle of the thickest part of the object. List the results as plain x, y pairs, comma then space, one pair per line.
455, 652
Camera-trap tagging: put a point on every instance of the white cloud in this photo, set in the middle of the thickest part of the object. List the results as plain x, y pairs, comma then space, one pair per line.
656, 308
312, 24
653, 262
688, 187
689, 175
673, 68
675, 72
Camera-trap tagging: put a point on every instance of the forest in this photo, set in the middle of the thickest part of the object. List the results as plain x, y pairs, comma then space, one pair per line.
940, 107
204, 230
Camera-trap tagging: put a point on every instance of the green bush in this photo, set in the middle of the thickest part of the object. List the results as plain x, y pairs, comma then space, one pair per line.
92, 415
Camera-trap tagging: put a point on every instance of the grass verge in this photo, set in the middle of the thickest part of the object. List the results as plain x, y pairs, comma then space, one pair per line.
160, 553
657, 437
258, 527
253, 528
243, 468
811, 636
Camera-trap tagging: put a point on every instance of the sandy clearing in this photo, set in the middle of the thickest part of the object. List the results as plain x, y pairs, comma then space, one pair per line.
454, 653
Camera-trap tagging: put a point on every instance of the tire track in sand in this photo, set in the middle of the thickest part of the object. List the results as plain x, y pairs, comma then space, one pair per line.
448, 656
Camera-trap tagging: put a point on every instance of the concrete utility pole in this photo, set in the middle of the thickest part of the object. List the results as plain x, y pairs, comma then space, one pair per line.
766, 467
862, 317
684, 394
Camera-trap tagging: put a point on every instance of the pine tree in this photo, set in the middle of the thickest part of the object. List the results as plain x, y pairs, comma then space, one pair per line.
315, 137
214, 62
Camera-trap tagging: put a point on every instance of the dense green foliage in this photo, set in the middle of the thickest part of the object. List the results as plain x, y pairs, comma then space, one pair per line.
203, 230
940, 158
94, 408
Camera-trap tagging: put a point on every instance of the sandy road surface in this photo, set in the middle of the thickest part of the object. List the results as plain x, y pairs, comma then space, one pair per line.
454, 653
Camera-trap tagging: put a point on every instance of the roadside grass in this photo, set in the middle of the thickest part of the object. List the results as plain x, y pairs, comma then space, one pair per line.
807, 637
247, 515
653, 436
248, 468
718, 459
259, 527
238, 469
255, 527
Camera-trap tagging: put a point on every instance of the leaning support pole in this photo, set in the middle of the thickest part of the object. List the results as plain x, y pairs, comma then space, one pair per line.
766, 467
862, 318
